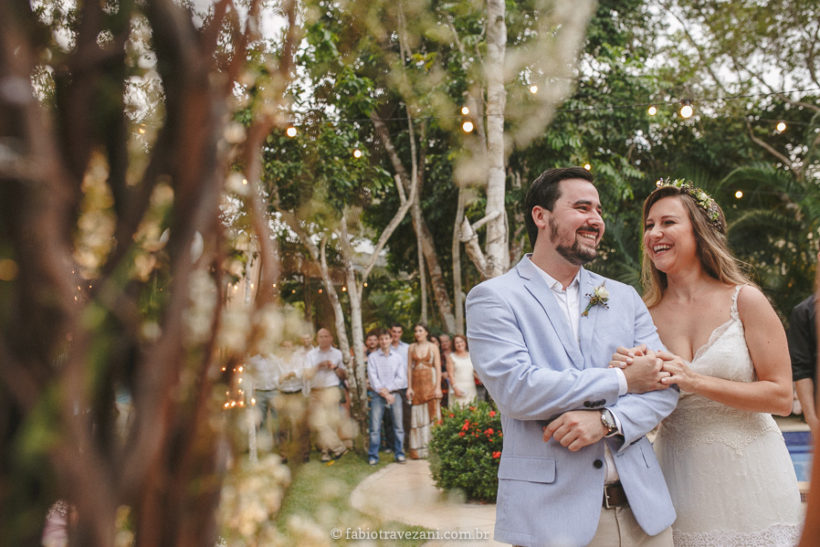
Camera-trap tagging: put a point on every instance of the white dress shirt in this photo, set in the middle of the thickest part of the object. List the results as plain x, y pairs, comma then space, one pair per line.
568, 300
324, 376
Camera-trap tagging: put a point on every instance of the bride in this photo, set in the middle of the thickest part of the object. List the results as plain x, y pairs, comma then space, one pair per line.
727, 467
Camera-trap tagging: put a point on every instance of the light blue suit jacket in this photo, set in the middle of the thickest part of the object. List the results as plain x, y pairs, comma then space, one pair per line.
524, 351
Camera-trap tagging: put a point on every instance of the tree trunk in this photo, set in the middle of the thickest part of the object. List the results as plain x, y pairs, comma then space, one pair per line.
497, 244
458, 297
424, 237
358, 368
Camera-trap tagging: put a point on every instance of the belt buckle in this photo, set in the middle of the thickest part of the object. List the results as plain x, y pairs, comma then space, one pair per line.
607, 504
606, 498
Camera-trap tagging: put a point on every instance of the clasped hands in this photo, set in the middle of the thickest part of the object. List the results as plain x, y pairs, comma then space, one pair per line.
645, 370
389, 397
673, 369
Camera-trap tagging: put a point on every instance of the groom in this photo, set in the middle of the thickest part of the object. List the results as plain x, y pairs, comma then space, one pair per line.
541, 337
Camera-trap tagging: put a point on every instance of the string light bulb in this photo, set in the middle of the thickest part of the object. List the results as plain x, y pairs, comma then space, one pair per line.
465, 111
781, 127
467, 126
587, 166
686, 111
290, 131
739, 194
533, 89
357, 153
652, 110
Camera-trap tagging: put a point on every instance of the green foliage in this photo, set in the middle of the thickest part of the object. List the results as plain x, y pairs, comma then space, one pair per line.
466, 450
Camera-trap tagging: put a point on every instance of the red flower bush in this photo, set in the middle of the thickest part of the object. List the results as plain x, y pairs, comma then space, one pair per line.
465, 451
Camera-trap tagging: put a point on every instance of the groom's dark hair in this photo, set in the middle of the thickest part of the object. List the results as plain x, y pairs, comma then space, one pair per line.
545, 190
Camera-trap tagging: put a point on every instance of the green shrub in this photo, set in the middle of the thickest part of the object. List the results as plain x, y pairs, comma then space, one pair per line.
466, 449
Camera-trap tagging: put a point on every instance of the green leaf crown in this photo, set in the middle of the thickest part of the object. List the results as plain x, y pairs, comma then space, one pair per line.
701, 198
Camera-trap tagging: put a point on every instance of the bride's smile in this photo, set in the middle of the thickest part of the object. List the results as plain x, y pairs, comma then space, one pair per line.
668, 235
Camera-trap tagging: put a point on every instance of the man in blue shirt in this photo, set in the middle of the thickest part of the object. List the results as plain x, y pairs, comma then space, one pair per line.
388, 380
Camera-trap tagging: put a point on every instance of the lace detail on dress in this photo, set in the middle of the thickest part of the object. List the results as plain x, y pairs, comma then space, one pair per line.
717, 423
778, 535
729, 473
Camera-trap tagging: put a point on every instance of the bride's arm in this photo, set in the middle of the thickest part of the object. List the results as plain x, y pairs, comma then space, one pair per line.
766, 340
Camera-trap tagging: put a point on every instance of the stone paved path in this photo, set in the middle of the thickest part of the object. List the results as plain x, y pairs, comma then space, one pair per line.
406, 493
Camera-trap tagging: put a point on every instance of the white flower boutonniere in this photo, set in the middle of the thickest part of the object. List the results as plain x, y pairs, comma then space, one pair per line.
599, 297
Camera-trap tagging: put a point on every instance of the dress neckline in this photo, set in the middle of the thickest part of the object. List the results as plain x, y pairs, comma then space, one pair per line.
427, 357
718, 331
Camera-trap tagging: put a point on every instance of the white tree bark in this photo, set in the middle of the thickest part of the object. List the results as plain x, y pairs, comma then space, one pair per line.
497, 243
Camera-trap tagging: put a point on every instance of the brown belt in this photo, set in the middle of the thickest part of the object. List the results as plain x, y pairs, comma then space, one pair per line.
614, 496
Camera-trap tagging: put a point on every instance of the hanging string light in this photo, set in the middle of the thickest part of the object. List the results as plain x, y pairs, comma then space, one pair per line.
686, 110
652, 110
781, 127
357, 153
465, 111
533, 89
739, 194
467, 126
290, 131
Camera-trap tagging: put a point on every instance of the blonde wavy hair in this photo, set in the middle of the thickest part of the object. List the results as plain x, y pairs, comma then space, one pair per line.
711, 243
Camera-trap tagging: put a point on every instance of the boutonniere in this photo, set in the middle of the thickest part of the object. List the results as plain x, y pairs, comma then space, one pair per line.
599, 297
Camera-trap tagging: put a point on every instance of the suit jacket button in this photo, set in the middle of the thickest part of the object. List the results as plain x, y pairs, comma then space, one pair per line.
587, 404
597, 464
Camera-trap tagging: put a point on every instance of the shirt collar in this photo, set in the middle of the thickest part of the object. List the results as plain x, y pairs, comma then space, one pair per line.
554, 284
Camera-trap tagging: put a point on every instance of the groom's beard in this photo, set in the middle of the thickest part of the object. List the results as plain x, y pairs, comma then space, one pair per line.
574, 254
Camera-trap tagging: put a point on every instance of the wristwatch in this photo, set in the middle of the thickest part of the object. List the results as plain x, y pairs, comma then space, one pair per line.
609, 422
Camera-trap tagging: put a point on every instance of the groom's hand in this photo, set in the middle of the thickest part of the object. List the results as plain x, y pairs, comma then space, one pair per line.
645, 374
576, 429
623, 357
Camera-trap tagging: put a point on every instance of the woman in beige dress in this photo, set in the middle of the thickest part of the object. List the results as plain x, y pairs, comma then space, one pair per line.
424, 390
461, 373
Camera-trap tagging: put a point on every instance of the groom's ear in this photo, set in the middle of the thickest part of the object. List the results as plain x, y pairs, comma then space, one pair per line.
540, 216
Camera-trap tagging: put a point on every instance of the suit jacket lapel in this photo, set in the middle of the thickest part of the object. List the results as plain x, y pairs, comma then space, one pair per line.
538, 288
586, 325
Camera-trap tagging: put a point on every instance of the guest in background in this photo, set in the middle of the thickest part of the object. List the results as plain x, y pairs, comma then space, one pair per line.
445, 348
396, 330
328, 368
424, 391
291, 405
388, 438
388, 380
461, 373
264, 372
371, 341
802, 337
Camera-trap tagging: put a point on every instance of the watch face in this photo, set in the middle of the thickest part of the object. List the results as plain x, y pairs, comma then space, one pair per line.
608, 420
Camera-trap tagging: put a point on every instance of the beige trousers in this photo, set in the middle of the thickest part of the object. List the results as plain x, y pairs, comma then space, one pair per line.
324, 418
292, 411
618, 528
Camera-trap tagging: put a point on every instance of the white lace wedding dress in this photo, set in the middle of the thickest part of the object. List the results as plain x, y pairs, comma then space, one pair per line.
729, 473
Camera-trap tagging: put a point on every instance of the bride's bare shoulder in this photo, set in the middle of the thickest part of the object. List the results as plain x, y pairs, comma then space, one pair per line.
751, 301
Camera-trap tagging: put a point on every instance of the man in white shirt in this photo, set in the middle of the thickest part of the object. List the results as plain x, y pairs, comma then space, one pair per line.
388, 379
291, 404
264, 371
328, 369
396, 330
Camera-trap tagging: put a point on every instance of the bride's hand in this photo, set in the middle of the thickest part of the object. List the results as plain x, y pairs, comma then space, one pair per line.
623, 357
679, 372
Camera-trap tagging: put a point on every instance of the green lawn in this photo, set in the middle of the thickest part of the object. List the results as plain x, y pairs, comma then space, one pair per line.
317, 504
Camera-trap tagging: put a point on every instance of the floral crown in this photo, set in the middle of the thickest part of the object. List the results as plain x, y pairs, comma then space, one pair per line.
702, 199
